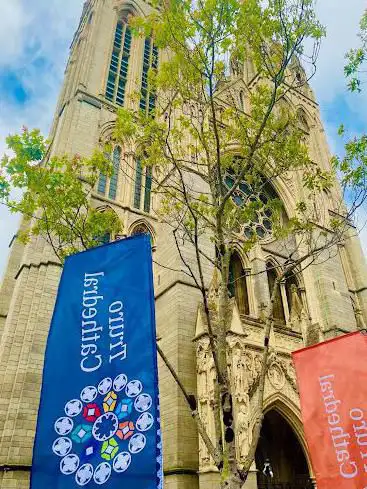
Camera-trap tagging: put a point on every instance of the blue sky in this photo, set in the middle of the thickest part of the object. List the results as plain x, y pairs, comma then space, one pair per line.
34, 40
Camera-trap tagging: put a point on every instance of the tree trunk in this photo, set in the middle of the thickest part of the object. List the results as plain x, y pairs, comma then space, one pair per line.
232, 482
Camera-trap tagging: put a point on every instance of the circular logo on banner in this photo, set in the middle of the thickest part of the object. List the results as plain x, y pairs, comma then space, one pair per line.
103, 430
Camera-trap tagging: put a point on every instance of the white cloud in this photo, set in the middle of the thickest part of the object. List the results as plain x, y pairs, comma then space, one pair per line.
341, 20
34, 40
336, 103
13, 21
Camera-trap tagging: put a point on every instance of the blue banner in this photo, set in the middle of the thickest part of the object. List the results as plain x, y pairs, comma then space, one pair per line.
98, 421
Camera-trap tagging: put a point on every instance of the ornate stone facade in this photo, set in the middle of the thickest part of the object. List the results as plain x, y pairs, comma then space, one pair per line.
325, 302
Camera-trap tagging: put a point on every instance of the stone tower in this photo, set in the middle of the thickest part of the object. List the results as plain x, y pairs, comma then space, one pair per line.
106, 66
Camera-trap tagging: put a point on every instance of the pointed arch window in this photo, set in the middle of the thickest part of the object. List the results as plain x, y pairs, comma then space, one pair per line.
108, 236
237, 284
303, 121
116, 158
143, 187
150, 60
117, 75
142, 228
261, 225
108, 186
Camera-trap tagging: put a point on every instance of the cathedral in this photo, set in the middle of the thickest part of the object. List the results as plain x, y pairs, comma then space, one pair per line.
107, 65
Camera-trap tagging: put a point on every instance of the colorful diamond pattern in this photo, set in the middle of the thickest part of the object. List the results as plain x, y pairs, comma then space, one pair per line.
109, 449
91, 412
82, 433
126, 430
124, 408
109, 402
106, 428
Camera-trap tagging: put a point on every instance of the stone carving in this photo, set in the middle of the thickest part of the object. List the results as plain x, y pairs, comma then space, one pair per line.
241, 384
276, 376
242, 427
211, 376
253, 367
244, 365
203, 451
290, 373
202, 374
298, 317
237, 66
296, 303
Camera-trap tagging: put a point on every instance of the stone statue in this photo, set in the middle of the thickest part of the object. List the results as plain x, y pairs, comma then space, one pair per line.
237, 67
249, 361
296, 304
211, 376
202, 374
236, 355
203, 451
257, 364
242, 426
298, 317
241, 384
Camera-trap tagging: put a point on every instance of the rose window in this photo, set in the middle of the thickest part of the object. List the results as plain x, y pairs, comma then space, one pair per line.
261, 224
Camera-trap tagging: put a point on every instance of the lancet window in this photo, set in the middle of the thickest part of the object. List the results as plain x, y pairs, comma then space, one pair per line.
278, 308
107, 186
117, 76
143, 187
237, 284
150, 60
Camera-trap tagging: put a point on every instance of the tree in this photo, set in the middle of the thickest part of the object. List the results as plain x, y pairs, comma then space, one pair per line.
352, 166
356, 59
54, 194
214, 154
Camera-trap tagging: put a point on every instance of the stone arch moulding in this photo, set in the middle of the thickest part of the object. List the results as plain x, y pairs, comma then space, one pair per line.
310, 118
292, 414
106, 207
130, 7
237, 248
275, 264
106, 131
139, 226
286, 193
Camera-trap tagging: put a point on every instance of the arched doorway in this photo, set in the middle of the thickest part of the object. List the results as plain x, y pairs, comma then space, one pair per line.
280, 459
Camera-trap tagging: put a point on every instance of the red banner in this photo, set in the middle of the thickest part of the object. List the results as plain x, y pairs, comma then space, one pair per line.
332, 379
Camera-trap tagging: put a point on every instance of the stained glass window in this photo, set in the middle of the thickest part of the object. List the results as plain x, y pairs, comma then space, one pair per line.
102, 184
114, 178
143, 187
106, 184
117, 76
148, 189
150, 60
138, 182
237, 284
261, 224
